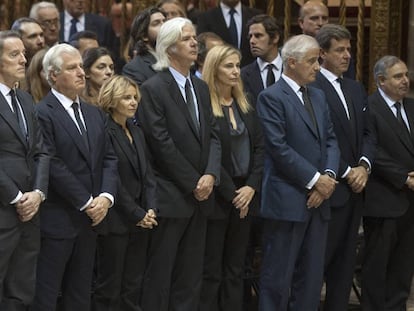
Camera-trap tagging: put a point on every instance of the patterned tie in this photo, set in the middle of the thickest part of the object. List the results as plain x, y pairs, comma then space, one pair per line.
73, 28
75, 107
17, 113
270, 79
233, 29
190, 104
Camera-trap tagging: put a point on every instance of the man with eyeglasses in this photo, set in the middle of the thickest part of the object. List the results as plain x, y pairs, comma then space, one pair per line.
47, 14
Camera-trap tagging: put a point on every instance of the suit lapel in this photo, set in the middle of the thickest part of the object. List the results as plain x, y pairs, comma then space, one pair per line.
179, 100
62, 115
256, 78
298, 105
10, 118
390, 119
140, 148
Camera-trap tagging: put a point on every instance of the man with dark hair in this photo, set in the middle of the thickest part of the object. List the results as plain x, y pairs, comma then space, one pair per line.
84, 40
206, 41
144, 31
31, 34
348, 109
228, 20
388, 265
24, 172
264, 35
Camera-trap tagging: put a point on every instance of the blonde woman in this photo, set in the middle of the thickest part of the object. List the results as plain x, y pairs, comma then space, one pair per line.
242, 165
121, 249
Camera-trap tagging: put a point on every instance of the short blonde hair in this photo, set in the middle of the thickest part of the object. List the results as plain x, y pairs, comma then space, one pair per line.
213, 61
112, 91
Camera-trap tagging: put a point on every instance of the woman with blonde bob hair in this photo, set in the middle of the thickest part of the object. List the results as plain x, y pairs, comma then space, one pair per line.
242, 164
122, 244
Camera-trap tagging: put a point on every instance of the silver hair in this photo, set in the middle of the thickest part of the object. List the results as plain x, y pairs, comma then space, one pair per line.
383, 64
170, 33
52, 61
297, 47
40, 5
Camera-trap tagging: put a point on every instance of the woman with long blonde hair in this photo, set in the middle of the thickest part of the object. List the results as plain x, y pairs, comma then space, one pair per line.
242, 164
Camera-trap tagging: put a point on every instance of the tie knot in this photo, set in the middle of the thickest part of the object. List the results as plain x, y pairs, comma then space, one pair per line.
74, 21
303, 90
12, 93
270, 66
232, 11
75, 106
397, 105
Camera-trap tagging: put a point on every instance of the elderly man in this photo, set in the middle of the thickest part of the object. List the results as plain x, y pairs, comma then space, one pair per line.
313, 15
182, 136
83, 181
389, 207
348, 107
47, 14
31, 34
301, 164
24, 172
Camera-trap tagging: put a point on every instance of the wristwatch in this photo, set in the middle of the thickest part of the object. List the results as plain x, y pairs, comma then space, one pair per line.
365, 165
42, 195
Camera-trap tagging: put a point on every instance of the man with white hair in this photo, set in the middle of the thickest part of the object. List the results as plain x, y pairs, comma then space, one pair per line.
82, 187
301, 163
47, 15
179, 127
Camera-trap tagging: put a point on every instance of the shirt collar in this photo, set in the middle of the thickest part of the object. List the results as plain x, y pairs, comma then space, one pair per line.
277, 62
390, 102
293, 85
179, 78
68, 18
329, 75
4, 90
65, 101
226, 9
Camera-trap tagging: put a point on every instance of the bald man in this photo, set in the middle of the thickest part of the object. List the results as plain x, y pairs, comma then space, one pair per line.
312, 16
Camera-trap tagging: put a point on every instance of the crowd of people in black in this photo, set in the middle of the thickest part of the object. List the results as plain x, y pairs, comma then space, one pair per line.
147, 186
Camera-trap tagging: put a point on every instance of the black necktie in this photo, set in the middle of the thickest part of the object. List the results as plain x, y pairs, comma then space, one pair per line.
17, 113
75, 107
73, 28
270, 79
190, 103
308, 105
399, 116
233, 29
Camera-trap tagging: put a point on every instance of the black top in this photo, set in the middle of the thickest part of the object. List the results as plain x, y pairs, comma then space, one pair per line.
240, 142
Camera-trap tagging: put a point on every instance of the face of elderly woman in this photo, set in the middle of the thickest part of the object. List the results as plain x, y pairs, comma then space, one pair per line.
127, 104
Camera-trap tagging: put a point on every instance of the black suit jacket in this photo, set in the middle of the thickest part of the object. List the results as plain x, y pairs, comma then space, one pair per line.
140, 68
136, 181
226, 189
99, 25
24, 165
181, 154
386, 193
76, 173
352, 148
252, 79
213, 20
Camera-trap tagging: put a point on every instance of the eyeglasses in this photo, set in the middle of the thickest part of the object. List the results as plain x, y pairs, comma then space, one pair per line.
50, 22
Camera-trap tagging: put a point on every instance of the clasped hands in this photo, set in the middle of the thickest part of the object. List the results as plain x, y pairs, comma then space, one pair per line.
410, 181
357, 178
149, 221
98, 209
204, 187
28, 205
322, 190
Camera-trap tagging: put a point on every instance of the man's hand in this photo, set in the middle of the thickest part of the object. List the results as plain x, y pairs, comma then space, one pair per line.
98, 209
315, 199
357, 178
241, 201
410, 181
28, 205
149, 220
325, 186
204, 187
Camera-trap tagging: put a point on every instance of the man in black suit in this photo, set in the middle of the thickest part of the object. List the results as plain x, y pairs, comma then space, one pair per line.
389, 206
24, 174
83, 181
228, 20
74, 19
144, 31
264, 34
348, 109
176, 117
